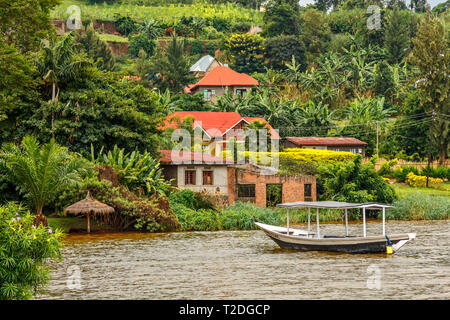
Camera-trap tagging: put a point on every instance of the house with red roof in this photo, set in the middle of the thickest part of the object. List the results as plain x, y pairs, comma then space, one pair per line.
219, 79
217, 127
228, 182
327, 143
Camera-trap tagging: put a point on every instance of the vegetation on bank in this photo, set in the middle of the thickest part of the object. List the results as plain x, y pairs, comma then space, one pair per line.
25, 247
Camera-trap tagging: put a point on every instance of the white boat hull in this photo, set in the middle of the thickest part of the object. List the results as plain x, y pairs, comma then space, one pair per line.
303, 240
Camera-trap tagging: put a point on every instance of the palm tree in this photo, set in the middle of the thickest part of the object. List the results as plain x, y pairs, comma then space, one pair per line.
150, 28
315, 119
41, 172
60, 63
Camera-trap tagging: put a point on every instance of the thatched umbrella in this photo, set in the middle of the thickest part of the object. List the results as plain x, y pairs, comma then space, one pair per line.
88, 206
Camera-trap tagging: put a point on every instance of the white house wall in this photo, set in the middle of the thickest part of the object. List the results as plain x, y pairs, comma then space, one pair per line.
220, 178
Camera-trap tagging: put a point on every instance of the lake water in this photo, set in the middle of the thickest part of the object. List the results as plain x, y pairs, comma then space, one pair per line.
248, 265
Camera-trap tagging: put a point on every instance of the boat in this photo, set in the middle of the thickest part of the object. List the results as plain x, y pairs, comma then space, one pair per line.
298, 239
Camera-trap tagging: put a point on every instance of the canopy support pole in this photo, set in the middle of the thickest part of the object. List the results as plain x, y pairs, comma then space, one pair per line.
317, 223
287, 220
309, 219
364, 222
88, 224
346, 222
384, 221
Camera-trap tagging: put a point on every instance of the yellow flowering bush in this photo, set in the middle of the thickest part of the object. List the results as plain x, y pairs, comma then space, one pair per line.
421, 181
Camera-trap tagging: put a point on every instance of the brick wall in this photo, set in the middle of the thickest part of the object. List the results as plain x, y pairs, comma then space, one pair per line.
292, 186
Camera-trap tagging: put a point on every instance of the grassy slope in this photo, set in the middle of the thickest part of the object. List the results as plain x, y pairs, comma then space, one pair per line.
65, 224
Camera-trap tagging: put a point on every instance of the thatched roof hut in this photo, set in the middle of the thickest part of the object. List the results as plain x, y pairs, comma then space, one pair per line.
89, 206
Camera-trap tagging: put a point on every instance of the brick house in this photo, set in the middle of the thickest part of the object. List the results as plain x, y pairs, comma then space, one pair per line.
327, 143
215, 82
201, 172
217, 127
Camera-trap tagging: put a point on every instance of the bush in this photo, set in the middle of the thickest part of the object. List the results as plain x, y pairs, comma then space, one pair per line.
131, 212
139, 42
417, 206
125, 25
196, 47
24, 249
279, 51
386, 167
439, 172
401, 172
421, 181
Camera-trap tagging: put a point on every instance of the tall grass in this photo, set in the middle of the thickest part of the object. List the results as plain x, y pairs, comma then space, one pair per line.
417, 206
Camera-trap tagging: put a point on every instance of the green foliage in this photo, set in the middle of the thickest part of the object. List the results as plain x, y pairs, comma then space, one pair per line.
353, 181
24, 249
442, 172
315, 33
417, 206
102, 111
131, 211
125, 25
137, 171
280, 50
95, 48
396, 36
173, 64
141, 42
40, 172
246, 52
240, 216
25, 23
281, 17
431, 56
401, 172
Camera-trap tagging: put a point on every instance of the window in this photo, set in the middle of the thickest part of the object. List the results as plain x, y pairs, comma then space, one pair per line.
308, 192
207, 177
241, 92
246, 191
207, 93
189, 177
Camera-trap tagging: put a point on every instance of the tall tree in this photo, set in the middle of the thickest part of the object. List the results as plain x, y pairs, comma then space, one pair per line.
281, 18
25, 22
431, 56
173, 65
60, 63
95, 48
396, 36
316, 33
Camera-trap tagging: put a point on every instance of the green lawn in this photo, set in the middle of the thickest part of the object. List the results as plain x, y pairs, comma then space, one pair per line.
403, 190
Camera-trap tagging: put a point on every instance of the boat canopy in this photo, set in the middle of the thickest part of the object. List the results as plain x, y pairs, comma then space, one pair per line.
334, 205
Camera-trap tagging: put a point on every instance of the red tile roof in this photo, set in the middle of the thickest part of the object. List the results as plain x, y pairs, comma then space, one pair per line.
326, 141
222, 76
190, 157
214, 123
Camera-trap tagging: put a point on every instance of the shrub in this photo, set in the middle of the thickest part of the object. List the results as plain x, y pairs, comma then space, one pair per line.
421, 181
196, 47
125, 25
386, 167
353, 181
131, 211
139, 42
418, 206
439, 172
24, 249
401, 172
